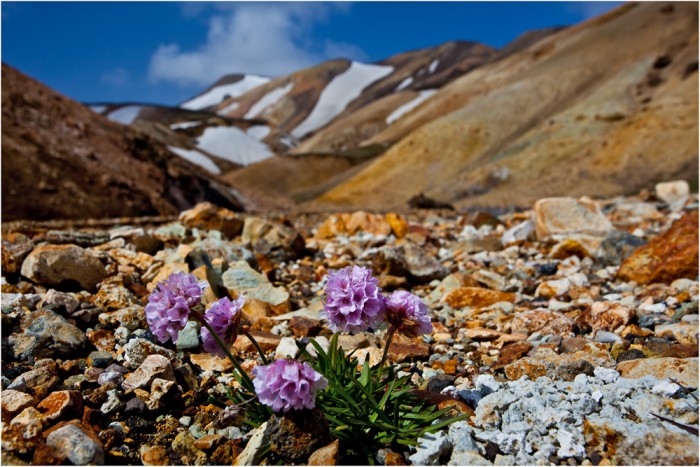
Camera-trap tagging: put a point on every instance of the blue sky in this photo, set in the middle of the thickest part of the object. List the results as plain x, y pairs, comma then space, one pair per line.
166, 52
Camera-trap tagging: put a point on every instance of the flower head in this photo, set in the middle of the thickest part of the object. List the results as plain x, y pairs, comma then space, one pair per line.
223, 316
287, 384
408, 314
353, 300
169, 306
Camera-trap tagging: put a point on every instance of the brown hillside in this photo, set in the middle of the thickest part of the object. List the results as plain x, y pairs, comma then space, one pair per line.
60, 160
604, 108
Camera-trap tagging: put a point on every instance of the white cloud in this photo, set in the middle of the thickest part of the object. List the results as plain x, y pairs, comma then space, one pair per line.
262, 38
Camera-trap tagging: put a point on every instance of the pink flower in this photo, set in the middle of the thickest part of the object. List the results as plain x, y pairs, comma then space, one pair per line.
223, 316
169, 306
287, 384
353, 300
408, 314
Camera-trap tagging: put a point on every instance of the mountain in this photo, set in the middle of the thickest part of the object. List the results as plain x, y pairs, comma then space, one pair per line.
607, 107
60, 160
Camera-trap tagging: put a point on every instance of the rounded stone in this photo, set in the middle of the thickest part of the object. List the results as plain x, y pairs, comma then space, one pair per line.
72, 443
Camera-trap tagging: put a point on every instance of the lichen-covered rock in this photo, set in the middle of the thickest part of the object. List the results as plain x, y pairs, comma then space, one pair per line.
295, 435
72, 442
46, 334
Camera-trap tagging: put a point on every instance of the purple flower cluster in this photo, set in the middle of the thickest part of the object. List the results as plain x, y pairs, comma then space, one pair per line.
408, 314
354, 303
287, 384
223, 316
169, 306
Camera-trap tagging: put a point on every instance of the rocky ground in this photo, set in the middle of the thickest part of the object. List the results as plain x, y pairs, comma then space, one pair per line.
569, 331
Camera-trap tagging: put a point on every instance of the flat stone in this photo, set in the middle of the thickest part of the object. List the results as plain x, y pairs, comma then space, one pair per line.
541, 320
46, 334
476, 297
243, 279
207, 216
683, 370
13, 402
559, 366
251, 453
511, 353
403, 349
132, 317
490, 279
684, 333
56, 300
303, 327
38, 382
266, 340
482, 334
62, 405
359, 221
628, 443
154, 366
209, 362
327, 455
58, 264
209, 442
188, 338
72, 443
562, 216
271, 238
100, 359
670, 256
136, 351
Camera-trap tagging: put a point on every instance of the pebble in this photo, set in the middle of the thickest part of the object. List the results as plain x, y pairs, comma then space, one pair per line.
154, 366
71, 442
59, 264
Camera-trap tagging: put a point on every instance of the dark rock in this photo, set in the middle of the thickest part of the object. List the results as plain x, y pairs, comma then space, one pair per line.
410, 261
297, 434
207, 216
651, 320
440, 382
275, 240
100, 359
569, 371
618, 245
304, 327
420, 201
147, 244
632, 354
135, 405
547, 269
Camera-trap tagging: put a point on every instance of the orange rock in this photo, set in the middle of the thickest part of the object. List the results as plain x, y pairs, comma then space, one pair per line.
266, 340
62, 404
672, 255
327, 455
450, 366
351, 223
482, 334
543, 320
476, 297
397, 223
512, 352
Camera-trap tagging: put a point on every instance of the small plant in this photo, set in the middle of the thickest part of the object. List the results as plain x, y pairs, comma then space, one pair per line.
367, 407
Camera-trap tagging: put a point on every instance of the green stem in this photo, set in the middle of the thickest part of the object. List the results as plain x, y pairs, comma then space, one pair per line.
257, 347
224, 347
389, 336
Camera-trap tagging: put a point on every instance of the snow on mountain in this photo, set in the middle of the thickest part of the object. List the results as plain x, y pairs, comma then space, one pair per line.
258, 131
267, 100
232, 144
339, 93
125, 115
196, 157
433, 65
218, 93
229, 108
184, 125
404, 84
407, 107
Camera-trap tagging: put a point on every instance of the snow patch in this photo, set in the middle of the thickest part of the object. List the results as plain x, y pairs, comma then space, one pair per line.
268, 99
125, 115
232, 144
197, 158
289, 141
259, 131
404, 84
229, 108
183, 125
98, 109
342, 90
433, 65
218, 93
408, 106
